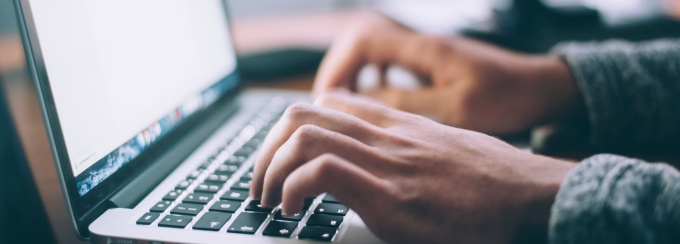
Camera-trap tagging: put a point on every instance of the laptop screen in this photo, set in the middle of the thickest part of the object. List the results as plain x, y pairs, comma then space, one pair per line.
125, 73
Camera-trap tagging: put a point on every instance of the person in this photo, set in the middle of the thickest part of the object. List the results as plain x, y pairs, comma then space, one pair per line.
414, 180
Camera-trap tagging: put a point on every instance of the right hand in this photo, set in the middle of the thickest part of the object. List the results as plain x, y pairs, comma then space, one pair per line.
471, 84
412, 180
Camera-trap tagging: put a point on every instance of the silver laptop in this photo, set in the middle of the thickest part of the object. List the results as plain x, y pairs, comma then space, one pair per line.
152, 134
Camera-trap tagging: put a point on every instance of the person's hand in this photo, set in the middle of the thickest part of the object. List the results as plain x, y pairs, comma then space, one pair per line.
470, 84
410, 179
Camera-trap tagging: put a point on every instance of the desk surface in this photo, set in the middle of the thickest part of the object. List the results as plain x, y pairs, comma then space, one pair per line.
251, 35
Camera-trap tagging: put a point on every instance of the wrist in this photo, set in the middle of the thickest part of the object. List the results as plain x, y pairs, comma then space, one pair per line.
547, 174
555, 87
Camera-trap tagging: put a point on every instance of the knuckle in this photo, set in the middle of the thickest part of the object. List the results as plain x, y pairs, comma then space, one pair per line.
297, 111
360, 28
435, 46
325, 99
355, 43
325, 165
336, 96
402, 195
306, 135
353, 38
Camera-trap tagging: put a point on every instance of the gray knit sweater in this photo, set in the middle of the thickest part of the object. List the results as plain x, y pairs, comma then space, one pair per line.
632, 94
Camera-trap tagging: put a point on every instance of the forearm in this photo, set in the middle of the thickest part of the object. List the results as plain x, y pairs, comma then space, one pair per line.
631, 91
612, 199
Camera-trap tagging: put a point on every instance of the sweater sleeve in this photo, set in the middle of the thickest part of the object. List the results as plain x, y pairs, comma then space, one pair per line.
631, 91
613, 199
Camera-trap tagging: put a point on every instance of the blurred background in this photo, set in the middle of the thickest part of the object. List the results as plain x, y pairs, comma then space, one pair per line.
274, 27
281, 42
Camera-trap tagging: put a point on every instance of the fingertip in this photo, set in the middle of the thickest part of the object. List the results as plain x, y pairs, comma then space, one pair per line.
288, 209
255, 191
254, 195
265, 202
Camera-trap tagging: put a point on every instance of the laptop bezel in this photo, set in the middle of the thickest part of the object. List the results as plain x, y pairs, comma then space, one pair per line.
84, 209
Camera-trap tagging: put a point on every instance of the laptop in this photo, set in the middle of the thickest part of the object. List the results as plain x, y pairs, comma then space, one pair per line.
21, 212
152, 133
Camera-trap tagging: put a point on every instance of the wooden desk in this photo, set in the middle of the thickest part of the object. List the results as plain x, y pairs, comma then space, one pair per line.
251, 35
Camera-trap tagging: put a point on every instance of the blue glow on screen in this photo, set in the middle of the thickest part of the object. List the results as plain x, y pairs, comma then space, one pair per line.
124, 154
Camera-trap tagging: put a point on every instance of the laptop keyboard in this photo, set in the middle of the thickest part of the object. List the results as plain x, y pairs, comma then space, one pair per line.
214, 196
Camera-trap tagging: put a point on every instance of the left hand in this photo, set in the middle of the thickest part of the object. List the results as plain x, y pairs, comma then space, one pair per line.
410, 179
468, 83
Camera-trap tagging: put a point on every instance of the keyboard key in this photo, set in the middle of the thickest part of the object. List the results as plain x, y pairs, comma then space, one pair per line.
217, 178
160, 206
206, 164
184, 184
329, 199
331, 208
308, 202
235, 195
324, 220
248, 175
194, 174
175, 221
209, 187
262, 134
254, 142
225, 206
225, 173
254, 206
279, 229
247, 223
244, 151
317, 233
199, 198
212, 221
147, 218
235, 160
187, 209
173, 195
226, 169
243, 184
294, 217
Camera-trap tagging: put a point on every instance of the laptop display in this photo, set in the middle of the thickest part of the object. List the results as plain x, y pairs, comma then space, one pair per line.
152, 135
125, 73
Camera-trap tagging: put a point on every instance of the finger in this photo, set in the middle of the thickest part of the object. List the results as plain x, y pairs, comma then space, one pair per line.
349, 54
350, 184
341, 65
300, 114
307, 143
424, 101
362, 107
382, 74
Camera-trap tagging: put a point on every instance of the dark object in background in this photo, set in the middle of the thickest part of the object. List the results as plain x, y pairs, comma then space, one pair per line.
531, 26
22, 216
276, 64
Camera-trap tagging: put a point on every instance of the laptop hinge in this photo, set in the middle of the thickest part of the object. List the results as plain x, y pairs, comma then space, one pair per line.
143, 183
